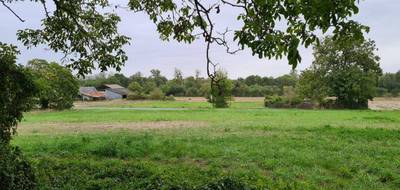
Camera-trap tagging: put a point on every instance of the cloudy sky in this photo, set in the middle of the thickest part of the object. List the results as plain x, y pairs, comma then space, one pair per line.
147, 51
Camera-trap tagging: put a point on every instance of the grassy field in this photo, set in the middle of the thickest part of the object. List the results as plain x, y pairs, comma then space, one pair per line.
111, 146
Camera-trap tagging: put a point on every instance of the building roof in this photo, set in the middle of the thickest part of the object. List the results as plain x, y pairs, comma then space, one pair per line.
91, 92
113, 86
121, 91
95, 94
85, 90
116, 89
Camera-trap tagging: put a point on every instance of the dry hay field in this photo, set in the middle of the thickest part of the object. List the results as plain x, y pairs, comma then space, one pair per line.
186, 144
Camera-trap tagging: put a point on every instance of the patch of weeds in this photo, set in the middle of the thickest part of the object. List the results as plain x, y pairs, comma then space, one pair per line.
345, 172
162, 119
386, 177
68, 146
227, 130
128, 141
380, 119
226, 183
109, 149
267, 128
85, 140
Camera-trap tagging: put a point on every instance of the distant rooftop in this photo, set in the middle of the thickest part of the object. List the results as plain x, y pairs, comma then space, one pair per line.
87, 90
113, 86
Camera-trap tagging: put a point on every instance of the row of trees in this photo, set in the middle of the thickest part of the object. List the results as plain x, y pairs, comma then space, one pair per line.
389, 84
192, 86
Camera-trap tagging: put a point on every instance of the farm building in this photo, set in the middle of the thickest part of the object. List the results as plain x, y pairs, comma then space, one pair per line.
91, 94
115, 91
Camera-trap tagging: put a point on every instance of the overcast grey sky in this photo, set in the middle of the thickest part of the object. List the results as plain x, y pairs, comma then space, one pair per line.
147, 51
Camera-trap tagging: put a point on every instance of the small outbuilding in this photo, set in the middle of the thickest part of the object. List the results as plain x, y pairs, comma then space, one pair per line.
115, 91
91, 94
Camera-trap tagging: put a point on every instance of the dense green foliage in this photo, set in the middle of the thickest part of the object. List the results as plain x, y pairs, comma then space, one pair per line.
389, 84
260, 148
221, 90
348, 70
17, 90
15, 170
57, 86
84, 31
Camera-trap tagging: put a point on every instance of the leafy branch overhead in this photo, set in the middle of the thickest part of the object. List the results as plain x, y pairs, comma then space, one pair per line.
88, 35
82, 32
270, 28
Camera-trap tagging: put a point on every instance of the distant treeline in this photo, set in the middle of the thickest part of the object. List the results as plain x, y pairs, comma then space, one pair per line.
192, 86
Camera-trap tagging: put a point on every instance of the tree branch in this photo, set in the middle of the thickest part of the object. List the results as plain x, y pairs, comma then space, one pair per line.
12, 11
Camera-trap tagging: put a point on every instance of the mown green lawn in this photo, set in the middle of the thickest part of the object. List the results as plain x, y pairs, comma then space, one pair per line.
244, 147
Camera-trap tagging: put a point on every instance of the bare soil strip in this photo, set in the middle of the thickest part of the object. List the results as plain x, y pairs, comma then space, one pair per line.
385, 104
62, 128
138, 108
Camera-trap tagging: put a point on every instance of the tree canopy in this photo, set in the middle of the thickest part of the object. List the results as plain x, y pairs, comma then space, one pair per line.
348, 70
57, 86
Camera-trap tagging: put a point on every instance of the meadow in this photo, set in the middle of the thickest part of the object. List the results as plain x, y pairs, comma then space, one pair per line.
189, 145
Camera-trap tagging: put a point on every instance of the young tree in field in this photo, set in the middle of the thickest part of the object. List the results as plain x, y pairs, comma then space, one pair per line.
221, 93
57, 86
348, 70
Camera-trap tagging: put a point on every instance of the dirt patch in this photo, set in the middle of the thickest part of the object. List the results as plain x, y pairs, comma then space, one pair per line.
385, 104
62, 128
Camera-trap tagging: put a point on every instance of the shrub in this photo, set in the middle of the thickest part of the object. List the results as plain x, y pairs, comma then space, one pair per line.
330, 104
136, 96
15, 171
156, 94
305, 105
170, 98
272, 100
285, 102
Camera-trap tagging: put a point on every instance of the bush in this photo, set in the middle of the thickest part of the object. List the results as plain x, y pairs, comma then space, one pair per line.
330, 104
15, 171
136, 96
285, 102
156, 94
273, 101
169, 98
